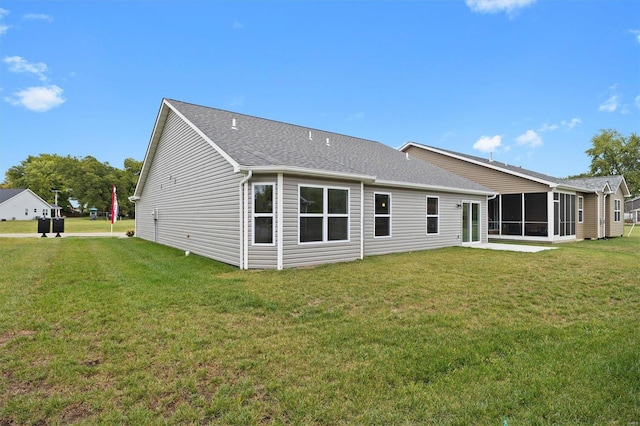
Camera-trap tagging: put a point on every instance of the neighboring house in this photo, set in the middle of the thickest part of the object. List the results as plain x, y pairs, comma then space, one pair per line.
22, 204
258, 193
632, 208
537, 207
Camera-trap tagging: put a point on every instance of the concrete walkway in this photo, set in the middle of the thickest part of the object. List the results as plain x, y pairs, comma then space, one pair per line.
68, 234
511, 247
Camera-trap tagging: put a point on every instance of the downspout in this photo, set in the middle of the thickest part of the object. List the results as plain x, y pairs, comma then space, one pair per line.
243, 226
280, 220
604, 214
361, 220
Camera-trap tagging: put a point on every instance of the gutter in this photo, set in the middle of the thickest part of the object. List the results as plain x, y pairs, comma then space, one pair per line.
243, 199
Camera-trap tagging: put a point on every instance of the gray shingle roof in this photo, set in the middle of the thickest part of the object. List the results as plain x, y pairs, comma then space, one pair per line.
258, 142
597, 183
6, 194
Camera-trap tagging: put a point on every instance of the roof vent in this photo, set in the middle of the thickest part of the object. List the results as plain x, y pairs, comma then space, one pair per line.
310, 137
328, 143
406, 155
491, 157
233, 124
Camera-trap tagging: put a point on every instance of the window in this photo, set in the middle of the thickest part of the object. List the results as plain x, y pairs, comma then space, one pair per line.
382, 215
617, 207
580, 209
432, 215
263, 213
26, 212
324, 214
45, 212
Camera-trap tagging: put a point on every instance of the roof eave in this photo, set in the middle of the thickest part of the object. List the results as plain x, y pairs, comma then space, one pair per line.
307, 172
438, 188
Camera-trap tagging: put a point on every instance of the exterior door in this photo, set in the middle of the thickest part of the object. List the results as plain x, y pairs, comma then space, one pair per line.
470, 222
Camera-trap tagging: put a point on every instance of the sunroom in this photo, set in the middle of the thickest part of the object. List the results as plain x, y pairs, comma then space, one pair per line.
538, 216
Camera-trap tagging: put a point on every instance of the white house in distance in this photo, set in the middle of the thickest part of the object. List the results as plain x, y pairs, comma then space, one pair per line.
22, 204
257, 193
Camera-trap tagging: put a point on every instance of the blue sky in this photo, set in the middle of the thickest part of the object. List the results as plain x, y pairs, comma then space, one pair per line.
530, 81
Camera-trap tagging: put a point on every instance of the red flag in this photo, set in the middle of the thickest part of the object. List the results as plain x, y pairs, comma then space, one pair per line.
114, 205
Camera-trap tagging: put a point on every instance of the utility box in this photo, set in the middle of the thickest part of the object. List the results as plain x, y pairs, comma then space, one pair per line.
44, 226
58, 226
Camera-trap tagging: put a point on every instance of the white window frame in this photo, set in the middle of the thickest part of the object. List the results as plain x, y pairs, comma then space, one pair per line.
325, 215
256, 215
437, 215
580, 209
617, 210
375, 215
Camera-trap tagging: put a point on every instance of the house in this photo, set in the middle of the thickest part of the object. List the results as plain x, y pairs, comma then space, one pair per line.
531, 206
258, 193
22, 204
632, 209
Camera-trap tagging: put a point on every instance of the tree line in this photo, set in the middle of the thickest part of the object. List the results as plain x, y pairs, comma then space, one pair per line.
86, 180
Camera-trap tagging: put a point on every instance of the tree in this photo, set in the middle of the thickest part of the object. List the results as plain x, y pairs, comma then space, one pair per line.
615, 154
86, 180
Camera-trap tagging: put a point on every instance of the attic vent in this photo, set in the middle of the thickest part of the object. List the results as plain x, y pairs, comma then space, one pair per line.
328, 143
406, 155
233, 124
310, 138
491, 157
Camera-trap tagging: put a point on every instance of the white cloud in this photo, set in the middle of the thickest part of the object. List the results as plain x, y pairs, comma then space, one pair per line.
636, 33
610, 105
529, 138
237, 25
496, 6
18, 64
488, 143
571, 124
38, 17
3, 28
38, 99
638, 101
548, 127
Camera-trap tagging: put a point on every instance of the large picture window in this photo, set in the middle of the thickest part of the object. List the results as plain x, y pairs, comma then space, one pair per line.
433, 215
263, 203
324, 214
382, 215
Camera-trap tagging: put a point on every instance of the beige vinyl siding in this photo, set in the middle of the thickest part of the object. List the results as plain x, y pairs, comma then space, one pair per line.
590, 225
615, 229
195, 192
501, 182
263, 256
306, 254
408, 221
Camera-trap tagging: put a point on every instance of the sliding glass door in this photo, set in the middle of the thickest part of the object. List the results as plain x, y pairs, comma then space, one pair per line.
470, 222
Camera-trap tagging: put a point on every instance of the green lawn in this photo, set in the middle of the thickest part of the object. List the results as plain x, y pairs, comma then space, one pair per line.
74, 224
104, 331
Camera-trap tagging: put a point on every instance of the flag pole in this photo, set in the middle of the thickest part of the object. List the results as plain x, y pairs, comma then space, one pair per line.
114, 207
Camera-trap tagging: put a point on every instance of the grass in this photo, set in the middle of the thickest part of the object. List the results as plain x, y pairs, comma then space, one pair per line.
72, 224
102, 331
